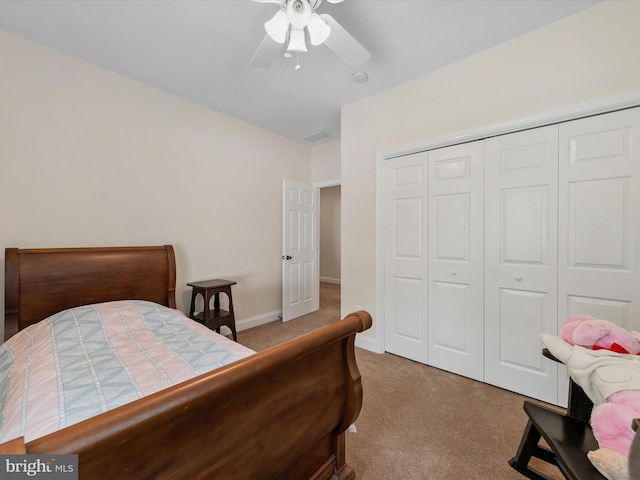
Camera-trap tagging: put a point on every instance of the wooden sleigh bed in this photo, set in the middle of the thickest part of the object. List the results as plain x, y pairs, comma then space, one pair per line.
279, 414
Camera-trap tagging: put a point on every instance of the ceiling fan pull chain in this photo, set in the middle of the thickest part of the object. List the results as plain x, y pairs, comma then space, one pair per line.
297, 61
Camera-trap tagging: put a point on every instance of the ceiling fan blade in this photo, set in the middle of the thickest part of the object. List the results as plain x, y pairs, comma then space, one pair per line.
344, 45
333, 1
267, 1
266, 53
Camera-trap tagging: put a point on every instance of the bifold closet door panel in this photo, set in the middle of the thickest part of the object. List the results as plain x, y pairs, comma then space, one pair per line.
405, 224
521, 196
456, 257
599, 272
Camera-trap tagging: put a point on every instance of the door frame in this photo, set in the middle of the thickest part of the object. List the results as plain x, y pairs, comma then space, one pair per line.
573, 112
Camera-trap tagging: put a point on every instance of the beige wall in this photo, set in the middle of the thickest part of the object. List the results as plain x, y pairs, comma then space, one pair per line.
90, 158
325, 163
588, 56
330, 238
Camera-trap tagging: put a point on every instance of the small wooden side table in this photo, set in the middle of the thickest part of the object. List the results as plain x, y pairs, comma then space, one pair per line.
215, 318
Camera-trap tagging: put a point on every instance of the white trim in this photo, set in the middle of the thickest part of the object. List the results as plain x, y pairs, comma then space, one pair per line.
328, 183
564, 114
379, 342
247, 323
368, 343
335, 281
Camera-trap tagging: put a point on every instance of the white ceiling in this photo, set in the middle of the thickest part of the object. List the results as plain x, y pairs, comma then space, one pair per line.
201, 49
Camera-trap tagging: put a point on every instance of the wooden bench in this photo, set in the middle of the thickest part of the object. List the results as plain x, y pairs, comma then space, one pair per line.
568, 435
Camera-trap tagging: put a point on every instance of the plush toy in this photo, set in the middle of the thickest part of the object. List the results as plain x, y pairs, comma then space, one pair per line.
611, 423
599, 334
610, 379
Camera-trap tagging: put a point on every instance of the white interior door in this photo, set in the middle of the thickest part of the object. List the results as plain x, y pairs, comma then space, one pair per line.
521, 173
405, 256
456, 258
600, 218
300, 275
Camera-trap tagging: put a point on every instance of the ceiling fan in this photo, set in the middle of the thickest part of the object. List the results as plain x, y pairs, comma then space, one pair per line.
289, 24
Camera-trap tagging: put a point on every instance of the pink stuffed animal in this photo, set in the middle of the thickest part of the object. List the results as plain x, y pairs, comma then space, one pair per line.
599, 334
611, 421
605, 365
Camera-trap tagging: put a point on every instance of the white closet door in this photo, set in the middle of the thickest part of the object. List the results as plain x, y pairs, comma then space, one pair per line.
456, 256
599, 272
521, 173
405, 253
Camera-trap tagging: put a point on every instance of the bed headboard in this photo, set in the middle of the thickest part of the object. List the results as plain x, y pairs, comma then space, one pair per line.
41, 282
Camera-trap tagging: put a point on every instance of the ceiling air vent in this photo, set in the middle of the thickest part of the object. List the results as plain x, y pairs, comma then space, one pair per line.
317, 136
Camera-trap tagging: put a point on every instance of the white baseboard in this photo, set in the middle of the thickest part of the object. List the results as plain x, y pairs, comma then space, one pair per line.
335, 281
247, 323
367, 343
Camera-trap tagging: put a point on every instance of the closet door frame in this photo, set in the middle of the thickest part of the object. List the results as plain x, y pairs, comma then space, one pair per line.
595, 107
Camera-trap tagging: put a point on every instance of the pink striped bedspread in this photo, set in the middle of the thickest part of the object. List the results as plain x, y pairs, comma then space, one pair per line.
84, 361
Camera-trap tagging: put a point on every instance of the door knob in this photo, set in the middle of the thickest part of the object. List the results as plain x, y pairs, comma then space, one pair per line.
288, 257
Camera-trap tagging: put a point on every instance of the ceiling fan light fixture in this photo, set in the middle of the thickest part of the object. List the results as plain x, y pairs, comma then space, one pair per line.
289, 27
299, 13
277, 27
319, 30
297, 41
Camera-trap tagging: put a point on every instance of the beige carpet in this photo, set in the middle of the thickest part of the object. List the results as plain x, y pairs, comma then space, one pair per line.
417, 422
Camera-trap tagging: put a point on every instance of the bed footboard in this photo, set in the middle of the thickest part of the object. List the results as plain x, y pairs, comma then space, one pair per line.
279, 414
